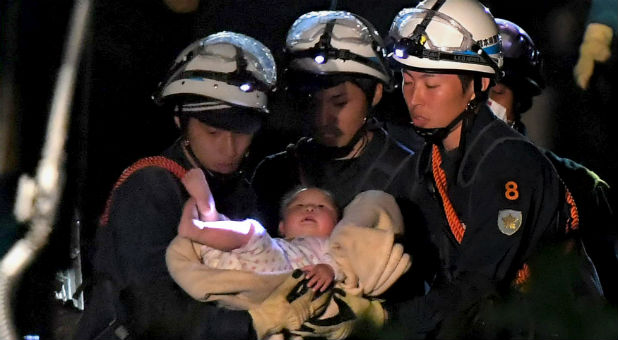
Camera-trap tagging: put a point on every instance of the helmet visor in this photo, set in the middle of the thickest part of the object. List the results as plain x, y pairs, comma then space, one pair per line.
455, 38
311, 26
260, 62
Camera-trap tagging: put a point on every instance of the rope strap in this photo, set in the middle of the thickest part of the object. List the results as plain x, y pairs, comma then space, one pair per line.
160, 161
457, 228
522, 275
573, 221
572, 224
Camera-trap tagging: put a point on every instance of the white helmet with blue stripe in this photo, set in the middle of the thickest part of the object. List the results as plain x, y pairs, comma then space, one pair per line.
229, 67
447, 36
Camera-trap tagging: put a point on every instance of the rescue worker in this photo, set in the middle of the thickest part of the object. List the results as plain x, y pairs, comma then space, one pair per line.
336, 72
493, 204
509, 100
217, 89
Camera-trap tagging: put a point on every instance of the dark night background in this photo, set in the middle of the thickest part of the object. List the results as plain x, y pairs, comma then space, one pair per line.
128, 50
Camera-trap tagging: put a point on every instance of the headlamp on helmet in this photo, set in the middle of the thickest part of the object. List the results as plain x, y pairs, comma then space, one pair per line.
448, 36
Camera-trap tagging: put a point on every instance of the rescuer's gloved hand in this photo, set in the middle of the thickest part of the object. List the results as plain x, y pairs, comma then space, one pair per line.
356, 313
287, 307
595, 47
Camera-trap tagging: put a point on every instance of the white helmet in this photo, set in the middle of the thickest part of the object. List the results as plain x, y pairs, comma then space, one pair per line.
447, 36
228, 67
335, 43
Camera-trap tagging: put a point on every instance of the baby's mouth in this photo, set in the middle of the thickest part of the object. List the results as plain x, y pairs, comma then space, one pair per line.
308, 219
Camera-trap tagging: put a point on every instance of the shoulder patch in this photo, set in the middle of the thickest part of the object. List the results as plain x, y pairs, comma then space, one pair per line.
509, 221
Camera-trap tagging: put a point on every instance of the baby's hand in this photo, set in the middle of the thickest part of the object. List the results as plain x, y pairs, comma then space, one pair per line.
197, 186
186, 228
320, 276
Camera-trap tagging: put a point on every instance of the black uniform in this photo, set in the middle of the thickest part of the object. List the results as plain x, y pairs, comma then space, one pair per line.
130, 258
383, 165
512, 204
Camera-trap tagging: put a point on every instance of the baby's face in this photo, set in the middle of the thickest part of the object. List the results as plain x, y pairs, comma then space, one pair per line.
311, 213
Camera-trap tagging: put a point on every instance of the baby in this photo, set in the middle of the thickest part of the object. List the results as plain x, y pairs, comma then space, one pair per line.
308, 216
361, 240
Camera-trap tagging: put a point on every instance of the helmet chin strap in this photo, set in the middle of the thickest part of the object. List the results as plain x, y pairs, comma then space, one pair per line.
335, 152
437, 135
195, 162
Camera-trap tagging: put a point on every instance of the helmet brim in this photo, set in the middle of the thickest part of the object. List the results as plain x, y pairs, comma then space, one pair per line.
234, 118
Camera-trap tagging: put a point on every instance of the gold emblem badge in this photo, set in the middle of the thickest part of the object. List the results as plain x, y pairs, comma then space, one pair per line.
509, 221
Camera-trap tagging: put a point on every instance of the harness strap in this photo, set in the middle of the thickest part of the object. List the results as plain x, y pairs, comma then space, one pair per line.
573, 221
160, 161
457, 227
572, 224
522, 276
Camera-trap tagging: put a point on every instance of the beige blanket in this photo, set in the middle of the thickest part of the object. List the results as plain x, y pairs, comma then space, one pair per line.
362, 244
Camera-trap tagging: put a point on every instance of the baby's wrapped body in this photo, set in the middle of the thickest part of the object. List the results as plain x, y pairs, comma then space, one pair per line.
361, 246
264, 254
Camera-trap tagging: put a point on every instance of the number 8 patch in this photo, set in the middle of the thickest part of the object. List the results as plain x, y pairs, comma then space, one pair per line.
511, 192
